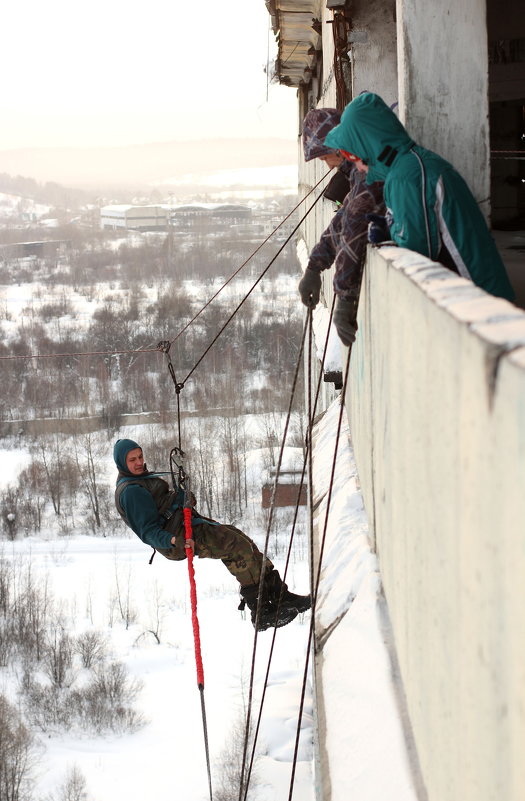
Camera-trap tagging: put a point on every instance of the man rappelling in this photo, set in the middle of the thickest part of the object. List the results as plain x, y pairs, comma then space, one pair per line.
154, 512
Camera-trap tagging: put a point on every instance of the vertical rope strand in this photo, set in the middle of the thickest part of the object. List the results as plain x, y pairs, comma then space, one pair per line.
318, 578
188, 534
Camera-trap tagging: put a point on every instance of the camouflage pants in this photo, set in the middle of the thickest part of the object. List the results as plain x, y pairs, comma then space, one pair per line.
229, 544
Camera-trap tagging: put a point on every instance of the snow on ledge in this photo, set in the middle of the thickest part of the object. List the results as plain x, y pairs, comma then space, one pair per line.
364, 749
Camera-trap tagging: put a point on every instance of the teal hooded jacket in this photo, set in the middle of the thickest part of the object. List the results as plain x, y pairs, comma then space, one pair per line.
146, 503
429, 206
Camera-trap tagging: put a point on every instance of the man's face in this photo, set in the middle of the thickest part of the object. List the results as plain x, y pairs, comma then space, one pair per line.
332, 159
135, 461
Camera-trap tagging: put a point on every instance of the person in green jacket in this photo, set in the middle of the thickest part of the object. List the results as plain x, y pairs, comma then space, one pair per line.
154, 512
430, 208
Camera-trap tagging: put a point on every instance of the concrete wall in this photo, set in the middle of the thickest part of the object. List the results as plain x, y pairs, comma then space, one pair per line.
443, 83
374, 53
437, 409
374, 67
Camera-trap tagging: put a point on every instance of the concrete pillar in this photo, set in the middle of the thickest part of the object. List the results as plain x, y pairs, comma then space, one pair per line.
373, 48
443, 83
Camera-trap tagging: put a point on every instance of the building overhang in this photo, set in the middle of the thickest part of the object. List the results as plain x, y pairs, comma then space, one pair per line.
297, 28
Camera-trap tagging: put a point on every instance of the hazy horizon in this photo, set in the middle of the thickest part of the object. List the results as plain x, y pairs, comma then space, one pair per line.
162, 165
121, 74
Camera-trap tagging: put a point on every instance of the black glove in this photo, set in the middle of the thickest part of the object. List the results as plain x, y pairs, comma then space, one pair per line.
310, 287
378, 230
345, 320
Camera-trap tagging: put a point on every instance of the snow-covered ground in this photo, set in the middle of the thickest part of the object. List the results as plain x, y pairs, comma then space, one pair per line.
166, 756
14, 206
363, 745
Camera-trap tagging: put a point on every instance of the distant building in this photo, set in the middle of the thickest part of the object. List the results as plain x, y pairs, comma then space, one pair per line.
223, 214
285, 495
290, 490
44, 249
134, 218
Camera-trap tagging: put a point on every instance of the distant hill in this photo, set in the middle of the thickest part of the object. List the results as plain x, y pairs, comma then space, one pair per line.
144, 165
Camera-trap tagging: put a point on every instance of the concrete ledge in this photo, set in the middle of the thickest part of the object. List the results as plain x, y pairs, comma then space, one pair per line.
437, 411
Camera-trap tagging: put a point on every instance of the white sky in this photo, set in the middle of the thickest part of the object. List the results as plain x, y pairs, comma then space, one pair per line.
116, 72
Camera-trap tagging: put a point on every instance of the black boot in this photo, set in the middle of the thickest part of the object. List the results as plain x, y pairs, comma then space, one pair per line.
269, 614
279, 594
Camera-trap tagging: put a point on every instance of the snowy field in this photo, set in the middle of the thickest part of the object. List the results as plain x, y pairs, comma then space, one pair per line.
165, 757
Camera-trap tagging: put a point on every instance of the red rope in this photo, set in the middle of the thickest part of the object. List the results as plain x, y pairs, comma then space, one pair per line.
193, 595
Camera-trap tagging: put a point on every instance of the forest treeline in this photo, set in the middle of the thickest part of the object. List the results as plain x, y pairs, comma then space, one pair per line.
105, 294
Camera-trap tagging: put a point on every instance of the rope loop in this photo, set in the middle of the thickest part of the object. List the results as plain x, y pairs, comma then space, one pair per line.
176, 461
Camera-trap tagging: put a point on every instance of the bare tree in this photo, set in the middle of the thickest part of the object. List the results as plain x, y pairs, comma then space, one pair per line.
9, 512
58, 656
17, 751
53, 470
74, 787
123, 597
156, 613
91, 646
86, 457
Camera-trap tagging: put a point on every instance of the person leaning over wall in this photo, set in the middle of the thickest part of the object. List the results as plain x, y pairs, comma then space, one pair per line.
430, 208
343, 243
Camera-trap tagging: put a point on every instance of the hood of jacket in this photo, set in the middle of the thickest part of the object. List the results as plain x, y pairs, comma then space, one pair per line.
370, 130
316, 125
121, 449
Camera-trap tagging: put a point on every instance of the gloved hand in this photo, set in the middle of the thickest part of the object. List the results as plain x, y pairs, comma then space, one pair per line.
345, 320
310, 288
378, 230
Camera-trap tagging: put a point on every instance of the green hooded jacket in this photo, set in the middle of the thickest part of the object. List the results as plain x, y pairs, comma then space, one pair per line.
429, 206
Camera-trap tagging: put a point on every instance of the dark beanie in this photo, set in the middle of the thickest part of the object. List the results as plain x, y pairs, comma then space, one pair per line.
121, 449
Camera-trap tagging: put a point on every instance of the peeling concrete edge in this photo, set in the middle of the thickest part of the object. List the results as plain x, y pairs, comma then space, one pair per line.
400, 698
325, 633
496, 321
322, 784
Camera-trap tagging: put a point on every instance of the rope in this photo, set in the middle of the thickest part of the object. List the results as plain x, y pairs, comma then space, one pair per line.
307, 458
193, 596
196, 636
245, 775
165, 348
230, 318
250, 257
82, 353
154, 350
318, 577
176, 461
